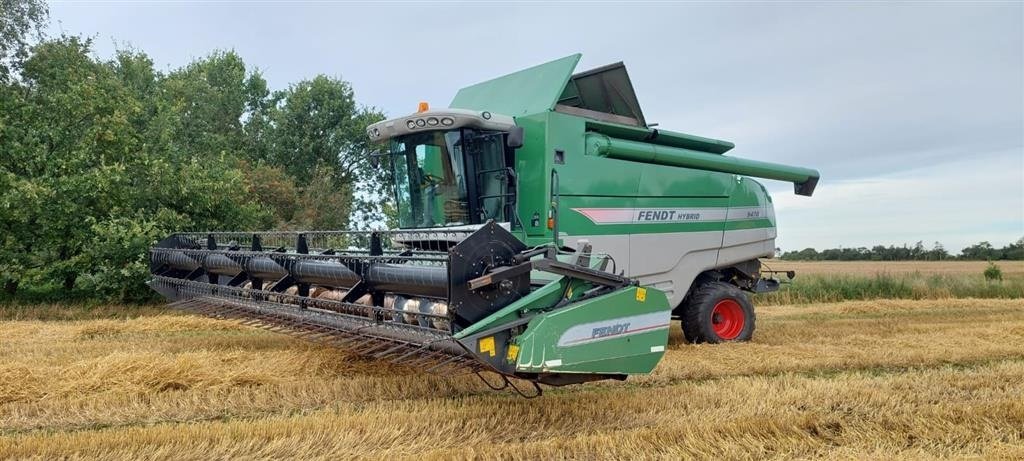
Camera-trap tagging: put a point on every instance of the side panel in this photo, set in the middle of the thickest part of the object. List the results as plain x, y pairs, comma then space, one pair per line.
624, 332
661, 224
750, 230
580, 174
662, 241
670, 262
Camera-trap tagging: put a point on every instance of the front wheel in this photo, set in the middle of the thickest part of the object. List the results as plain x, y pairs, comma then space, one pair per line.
718, 312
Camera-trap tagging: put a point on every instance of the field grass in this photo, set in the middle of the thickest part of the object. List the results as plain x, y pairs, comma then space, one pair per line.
1010, 268
857, 380
831, 281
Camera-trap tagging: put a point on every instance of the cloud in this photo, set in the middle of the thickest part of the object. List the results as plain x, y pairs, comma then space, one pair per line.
959, 203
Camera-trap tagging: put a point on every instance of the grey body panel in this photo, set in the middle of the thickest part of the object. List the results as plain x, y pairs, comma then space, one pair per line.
671, 262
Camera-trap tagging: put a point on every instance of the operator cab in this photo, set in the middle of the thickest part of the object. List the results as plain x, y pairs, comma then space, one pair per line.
451, 167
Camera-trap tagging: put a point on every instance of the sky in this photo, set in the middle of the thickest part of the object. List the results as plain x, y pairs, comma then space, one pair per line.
913, 114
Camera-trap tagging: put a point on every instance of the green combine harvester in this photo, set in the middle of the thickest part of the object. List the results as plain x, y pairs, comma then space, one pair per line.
547, 233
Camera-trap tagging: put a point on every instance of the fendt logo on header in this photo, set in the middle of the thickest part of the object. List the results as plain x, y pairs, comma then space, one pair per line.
610, 330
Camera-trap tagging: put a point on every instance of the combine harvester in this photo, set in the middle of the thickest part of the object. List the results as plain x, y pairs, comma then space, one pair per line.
547, 233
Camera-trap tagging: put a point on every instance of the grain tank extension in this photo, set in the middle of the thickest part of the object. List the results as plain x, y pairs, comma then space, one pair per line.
547, 232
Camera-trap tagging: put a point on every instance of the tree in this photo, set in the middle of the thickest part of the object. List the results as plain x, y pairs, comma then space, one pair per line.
317, 123
90, 174
20, 20
75, 141
917, 252
372, 206
103, 157
257, 128
272, 187
980, 251
207, 99
937, 253
1014, 251
314, 131
807, 254
323, 204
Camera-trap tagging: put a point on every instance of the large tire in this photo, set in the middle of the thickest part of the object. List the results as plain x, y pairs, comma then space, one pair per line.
717, 312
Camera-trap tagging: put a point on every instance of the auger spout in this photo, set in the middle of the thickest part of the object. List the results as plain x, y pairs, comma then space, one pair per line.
804, 179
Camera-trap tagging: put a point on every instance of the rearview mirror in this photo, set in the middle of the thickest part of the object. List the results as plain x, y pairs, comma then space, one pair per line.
515, 137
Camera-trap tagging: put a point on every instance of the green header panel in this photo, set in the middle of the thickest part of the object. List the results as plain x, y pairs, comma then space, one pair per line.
525, 92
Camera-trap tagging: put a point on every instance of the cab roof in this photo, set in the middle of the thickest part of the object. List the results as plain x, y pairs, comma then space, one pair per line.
553, 86
604, 96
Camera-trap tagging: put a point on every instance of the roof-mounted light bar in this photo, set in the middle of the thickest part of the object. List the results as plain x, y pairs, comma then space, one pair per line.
441, 119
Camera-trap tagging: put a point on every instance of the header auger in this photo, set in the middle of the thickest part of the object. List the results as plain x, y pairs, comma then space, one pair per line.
547, 233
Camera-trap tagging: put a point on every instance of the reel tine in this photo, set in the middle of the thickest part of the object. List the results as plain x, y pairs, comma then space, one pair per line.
422, 359
440, 366
411, 353
409, 345
388, 352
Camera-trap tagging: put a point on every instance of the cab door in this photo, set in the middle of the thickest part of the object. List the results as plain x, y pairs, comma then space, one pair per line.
488, 167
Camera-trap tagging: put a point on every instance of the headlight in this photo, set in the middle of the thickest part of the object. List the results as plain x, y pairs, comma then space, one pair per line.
411, 124
432, 121
447, 121
376, 132
420, 123
486, 115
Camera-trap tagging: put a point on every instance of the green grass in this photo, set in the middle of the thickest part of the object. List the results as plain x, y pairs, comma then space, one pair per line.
816, 288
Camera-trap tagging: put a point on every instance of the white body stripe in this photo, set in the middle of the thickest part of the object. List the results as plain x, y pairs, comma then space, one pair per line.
602, 216
587, 333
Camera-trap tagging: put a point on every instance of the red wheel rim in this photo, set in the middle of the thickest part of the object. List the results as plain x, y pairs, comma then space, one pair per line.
727, 319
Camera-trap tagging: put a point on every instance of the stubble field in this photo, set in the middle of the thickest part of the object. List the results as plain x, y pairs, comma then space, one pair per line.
874, 379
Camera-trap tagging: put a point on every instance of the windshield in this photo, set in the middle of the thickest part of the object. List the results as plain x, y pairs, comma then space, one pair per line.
438, 184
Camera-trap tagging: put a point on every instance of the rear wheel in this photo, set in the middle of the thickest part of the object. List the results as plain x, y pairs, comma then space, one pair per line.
718, 312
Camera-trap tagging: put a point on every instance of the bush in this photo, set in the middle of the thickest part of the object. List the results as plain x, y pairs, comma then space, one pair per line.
817, 288
115, 262
993, 272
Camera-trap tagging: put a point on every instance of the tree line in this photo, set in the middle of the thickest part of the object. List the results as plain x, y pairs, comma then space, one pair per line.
100, 157
983, 251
